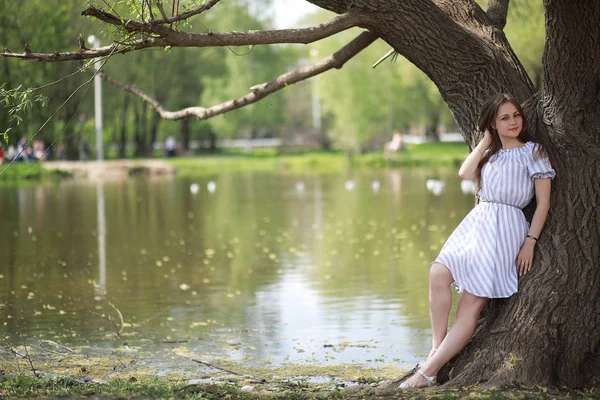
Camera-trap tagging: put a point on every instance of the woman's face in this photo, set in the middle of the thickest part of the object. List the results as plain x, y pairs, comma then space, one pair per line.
509, 121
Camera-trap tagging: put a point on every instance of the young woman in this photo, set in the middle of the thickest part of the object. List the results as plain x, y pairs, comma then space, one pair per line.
494, 242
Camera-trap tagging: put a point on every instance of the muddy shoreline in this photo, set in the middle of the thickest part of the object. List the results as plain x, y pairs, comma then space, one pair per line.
55, 370
111, 170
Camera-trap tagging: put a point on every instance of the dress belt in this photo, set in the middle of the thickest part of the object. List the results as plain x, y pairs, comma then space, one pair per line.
499, 202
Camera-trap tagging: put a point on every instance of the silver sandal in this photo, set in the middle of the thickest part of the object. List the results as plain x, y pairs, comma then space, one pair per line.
431, 381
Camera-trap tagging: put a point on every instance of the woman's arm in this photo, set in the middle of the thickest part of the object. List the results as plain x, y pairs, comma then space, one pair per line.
542, 194
468, 169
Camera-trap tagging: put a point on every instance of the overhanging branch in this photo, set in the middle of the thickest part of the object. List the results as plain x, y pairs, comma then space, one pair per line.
258, 92
497, 12
168, 37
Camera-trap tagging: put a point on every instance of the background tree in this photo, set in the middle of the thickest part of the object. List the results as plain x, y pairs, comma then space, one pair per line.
245, 66
548, 334
62, 31
374, 104
176, 76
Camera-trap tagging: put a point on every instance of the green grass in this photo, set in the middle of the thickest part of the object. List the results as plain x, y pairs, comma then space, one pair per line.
418, 155
27, 386
53, 385
310, 163
422, 155
22, 172
72, 375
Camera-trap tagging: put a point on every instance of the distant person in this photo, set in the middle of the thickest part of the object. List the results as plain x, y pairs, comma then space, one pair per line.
395, 144
38, 150
61, 153
11, 153
24, 152
170, 147
49, 153
85, 150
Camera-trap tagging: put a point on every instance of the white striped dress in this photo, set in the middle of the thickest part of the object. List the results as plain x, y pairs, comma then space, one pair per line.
482, 251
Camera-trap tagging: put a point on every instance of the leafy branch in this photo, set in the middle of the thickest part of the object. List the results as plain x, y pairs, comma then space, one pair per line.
18, 101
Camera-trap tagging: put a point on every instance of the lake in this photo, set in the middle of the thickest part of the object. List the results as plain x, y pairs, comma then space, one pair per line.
255, 268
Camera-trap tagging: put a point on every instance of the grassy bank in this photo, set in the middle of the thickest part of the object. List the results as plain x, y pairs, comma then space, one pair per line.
422, 155
124, 372
22, 172
23, 386
269, 161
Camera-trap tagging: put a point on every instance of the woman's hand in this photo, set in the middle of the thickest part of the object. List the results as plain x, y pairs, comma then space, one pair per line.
525, 257
468, 169
485, 142
487, 139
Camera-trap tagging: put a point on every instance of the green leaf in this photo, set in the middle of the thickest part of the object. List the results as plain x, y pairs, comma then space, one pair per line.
5, 134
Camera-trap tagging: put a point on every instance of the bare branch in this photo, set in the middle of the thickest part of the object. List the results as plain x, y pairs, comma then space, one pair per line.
497, 11
174, 38
301, 36
341, 22
187, 14
122, 325
258, 92
161, 9
149, 3
153, 25
128, 24
85, 54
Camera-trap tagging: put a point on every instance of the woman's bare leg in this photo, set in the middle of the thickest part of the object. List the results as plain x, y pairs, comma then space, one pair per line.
440, 302
467, 313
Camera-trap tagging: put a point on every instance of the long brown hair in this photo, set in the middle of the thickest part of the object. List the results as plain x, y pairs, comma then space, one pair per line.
487, 118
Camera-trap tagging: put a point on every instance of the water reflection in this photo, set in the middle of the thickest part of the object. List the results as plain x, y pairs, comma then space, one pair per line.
101, 285
252, 270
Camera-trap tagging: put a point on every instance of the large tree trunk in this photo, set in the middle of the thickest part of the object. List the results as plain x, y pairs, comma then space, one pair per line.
71, 135
549, 333
185, 134
140, 118
154, 123
123, 129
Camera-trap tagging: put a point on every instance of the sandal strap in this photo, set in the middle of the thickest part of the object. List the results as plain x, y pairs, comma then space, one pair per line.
431, 380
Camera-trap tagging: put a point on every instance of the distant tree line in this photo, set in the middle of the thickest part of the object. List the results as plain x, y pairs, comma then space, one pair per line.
359, 107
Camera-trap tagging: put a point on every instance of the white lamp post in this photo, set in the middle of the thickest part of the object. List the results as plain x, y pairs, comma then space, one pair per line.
101, 284
95, 42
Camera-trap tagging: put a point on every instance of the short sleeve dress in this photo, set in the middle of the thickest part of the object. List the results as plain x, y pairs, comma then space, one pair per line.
482, 251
